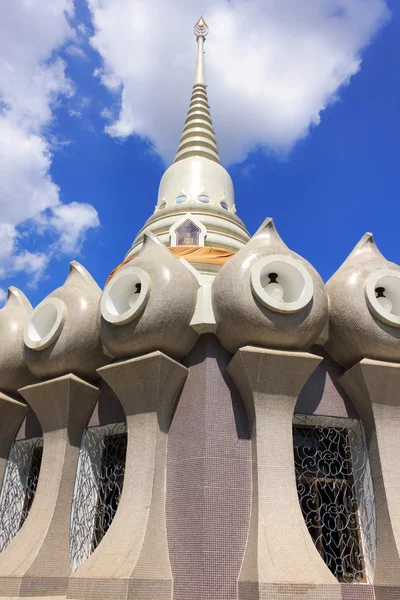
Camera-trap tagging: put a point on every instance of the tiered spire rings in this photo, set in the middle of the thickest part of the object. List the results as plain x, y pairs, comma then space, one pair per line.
198, 137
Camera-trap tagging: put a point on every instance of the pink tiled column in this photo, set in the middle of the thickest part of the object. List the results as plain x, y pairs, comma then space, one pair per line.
37, 562
280, 555
374, 388
12, 413
132, 561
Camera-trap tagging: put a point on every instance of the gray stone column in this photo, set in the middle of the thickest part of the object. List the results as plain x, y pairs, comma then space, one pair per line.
374, 388
12, 414
132, 561
37, 562
280, 557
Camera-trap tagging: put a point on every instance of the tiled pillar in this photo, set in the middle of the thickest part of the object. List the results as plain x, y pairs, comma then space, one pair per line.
37, 562
280, 559
132, 561
12, 413
374, 388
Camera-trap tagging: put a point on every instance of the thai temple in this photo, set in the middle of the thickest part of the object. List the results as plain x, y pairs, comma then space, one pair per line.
216, 424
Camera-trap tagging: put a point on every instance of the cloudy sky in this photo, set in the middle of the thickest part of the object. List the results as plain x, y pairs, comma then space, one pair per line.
304, 95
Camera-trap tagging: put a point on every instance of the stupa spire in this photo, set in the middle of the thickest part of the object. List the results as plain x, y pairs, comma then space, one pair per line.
198, 137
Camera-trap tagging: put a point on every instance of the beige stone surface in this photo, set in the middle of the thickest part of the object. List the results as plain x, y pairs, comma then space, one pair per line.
132, 561
13, 317
37, 561
354, 332
279, 548
165, 322
12, 413
78, 348
374, 388
242, 320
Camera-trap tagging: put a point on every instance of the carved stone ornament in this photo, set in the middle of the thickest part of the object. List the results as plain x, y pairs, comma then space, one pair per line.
62, 335
266, 295
149, 304
14, 373
364, 299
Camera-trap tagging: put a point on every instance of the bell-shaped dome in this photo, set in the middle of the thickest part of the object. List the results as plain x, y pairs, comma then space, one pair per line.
266, 295
14, 373
148, 305
62, 335
364, 299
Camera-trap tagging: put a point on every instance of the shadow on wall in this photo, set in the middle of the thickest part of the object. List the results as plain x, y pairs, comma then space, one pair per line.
322, 393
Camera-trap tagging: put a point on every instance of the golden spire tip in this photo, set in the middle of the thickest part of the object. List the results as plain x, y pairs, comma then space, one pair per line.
201, 28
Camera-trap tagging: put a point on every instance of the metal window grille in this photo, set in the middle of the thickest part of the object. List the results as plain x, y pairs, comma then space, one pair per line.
19, 487
98, 487
335, 493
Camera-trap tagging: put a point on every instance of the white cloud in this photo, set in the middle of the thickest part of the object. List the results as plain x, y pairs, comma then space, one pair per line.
70, 222
34, 264
75, 51
33, 81
272, 65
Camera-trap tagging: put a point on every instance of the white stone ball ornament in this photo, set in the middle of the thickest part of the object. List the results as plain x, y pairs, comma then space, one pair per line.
266, 295
148, 305
62, 335
16, 313
364, 316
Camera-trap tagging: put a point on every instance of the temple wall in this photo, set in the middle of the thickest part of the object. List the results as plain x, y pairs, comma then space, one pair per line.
208, 479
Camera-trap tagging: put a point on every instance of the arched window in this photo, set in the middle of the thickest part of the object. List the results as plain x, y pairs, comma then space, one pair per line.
98, 488
335, 493
19, 487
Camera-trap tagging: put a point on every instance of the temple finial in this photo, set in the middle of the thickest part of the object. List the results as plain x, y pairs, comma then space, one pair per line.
201, 32
201, 28
198, 138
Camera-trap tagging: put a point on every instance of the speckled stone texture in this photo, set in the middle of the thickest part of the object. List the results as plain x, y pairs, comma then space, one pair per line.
279, 548
354, 332
322, 393
208, 479
37, 562
242, 320
374, 388
132, 562
164, 324
12, 414
78, 348
14, 316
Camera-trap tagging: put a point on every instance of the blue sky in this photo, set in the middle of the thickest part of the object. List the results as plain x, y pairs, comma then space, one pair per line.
325, 184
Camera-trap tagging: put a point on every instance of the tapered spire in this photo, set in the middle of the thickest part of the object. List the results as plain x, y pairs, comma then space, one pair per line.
198, 137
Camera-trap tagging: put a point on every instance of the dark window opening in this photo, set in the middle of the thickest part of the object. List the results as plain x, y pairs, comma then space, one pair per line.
111, 479
327, 496
31, 482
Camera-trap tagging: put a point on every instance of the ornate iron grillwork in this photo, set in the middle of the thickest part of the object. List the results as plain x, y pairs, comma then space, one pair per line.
335, 493
19, 487
98, 488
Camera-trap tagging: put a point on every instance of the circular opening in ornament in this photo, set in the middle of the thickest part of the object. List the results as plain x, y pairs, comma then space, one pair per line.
126, 295
224, 205
204, 199
45, 324
162, 205
382, 292
181, 199
281, 283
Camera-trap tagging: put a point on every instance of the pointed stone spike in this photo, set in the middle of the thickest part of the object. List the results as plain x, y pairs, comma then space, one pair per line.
367, 242
365, 249
151, 243
17, 298
266, 234
76, 270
